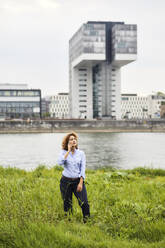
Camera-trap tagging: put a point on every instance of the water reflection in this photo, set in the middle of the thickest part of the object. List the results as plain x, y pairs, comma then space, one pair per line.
101, 149
119, 150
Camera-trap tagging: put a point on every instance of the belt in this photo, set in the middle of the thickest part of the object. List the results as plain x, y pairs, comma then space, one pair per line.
70, 178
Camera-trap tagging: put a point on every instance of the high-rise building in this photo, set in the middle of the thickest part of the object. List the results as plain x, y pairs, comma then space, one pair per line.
97, 51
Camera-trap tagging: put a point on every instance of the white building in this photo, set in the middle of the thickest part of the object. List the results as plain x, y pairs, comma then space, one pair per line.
14, 86
141, 107
134, 106
154, 108
97, 51
59, 106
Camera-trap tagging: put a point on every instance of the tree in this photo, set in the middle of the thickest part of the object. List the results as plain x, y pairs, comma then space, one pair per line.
46, 114
159, 93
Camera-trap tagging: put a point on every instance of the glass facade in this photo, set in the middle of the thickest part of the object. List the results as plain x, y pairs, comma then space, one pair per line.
90, 38
19, 93
29, 105
94, 38
96, 91
124, 39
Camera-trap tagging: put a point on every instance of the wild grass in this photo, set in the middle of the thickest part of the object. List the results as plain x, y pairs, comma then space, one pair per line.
127, 209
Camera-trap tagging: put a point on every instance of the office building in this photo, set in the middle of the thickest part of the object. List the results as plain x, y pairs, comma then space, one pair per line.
155, 106
59, 106
134, 106
45, 106
162, 111
17, 101
97, 51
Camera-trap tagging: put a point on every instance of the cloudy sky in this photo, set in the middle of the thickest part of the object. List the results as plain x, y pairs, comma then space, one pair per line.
34, 37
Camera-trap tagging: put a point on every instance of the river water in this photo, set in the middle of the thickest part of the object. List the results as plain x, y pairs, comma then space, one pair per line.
119, 150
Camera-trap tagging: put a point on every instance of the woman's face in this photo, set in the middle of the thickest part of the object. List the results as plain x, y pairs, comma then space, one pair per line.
72, 140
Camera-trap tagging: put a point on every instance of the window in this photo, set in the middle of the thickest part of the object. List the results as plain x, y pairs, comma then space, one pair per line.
83, 74
19, 93
13, 93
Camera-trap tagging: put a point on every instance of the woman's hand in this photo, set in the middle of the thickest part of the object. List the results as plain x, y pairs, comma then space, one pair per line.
69, 147
79, 187
69, 150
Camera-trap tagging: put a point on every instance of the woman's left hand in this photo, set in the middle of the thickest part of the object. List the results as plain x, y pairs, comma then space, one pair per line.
79, 187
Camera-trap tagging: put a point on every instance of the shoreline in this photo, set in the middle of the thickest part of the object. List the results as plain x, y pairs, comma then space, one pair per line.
83, 131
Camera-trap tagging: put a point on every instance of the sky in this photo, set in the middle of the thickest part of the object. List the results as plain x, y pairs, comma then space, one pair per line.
34, 41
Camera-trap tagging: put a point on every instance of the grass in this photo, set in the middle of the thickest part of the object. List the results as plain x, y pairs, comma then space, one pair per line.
127, 209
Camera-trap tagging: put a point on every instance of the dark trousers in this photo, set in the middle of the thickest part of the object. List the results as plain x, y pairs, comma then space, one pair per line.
68, 187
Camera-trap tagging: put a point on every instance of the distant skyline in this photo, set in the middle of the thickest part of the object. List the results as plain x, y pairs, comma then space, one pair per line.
35, 39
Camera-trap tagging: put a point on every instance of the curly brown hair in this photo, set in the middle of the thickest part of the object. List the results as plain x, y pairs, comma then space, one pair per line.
66, 140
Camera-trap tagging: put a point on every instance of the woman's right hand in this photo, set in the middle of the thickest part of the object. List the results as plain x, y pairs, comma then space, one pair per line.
69, 147
69, 150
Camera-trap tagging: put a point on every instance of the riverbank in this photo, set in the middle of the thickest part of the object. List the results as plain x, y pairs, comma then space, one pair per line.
127, 210
54, 126
81, 131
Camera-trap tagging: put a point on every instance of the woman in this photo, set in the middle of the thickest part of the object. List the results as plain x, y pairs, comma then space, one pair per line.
73, 175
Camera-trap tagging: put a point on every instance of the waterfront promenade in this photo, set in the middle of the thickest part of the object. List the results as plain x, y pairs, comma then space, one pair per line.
65, 125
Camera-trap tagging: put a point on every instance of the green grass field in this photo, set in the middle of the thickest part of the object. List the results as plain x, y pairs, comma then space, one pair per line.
127, 210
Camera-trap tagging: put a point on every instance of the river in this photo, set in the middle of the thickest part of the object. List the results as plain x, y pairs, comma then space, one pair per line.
119, 150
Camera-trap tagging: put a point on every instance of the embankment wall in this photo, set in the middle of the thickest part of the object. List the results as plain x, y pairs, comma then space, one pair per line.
37, 126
